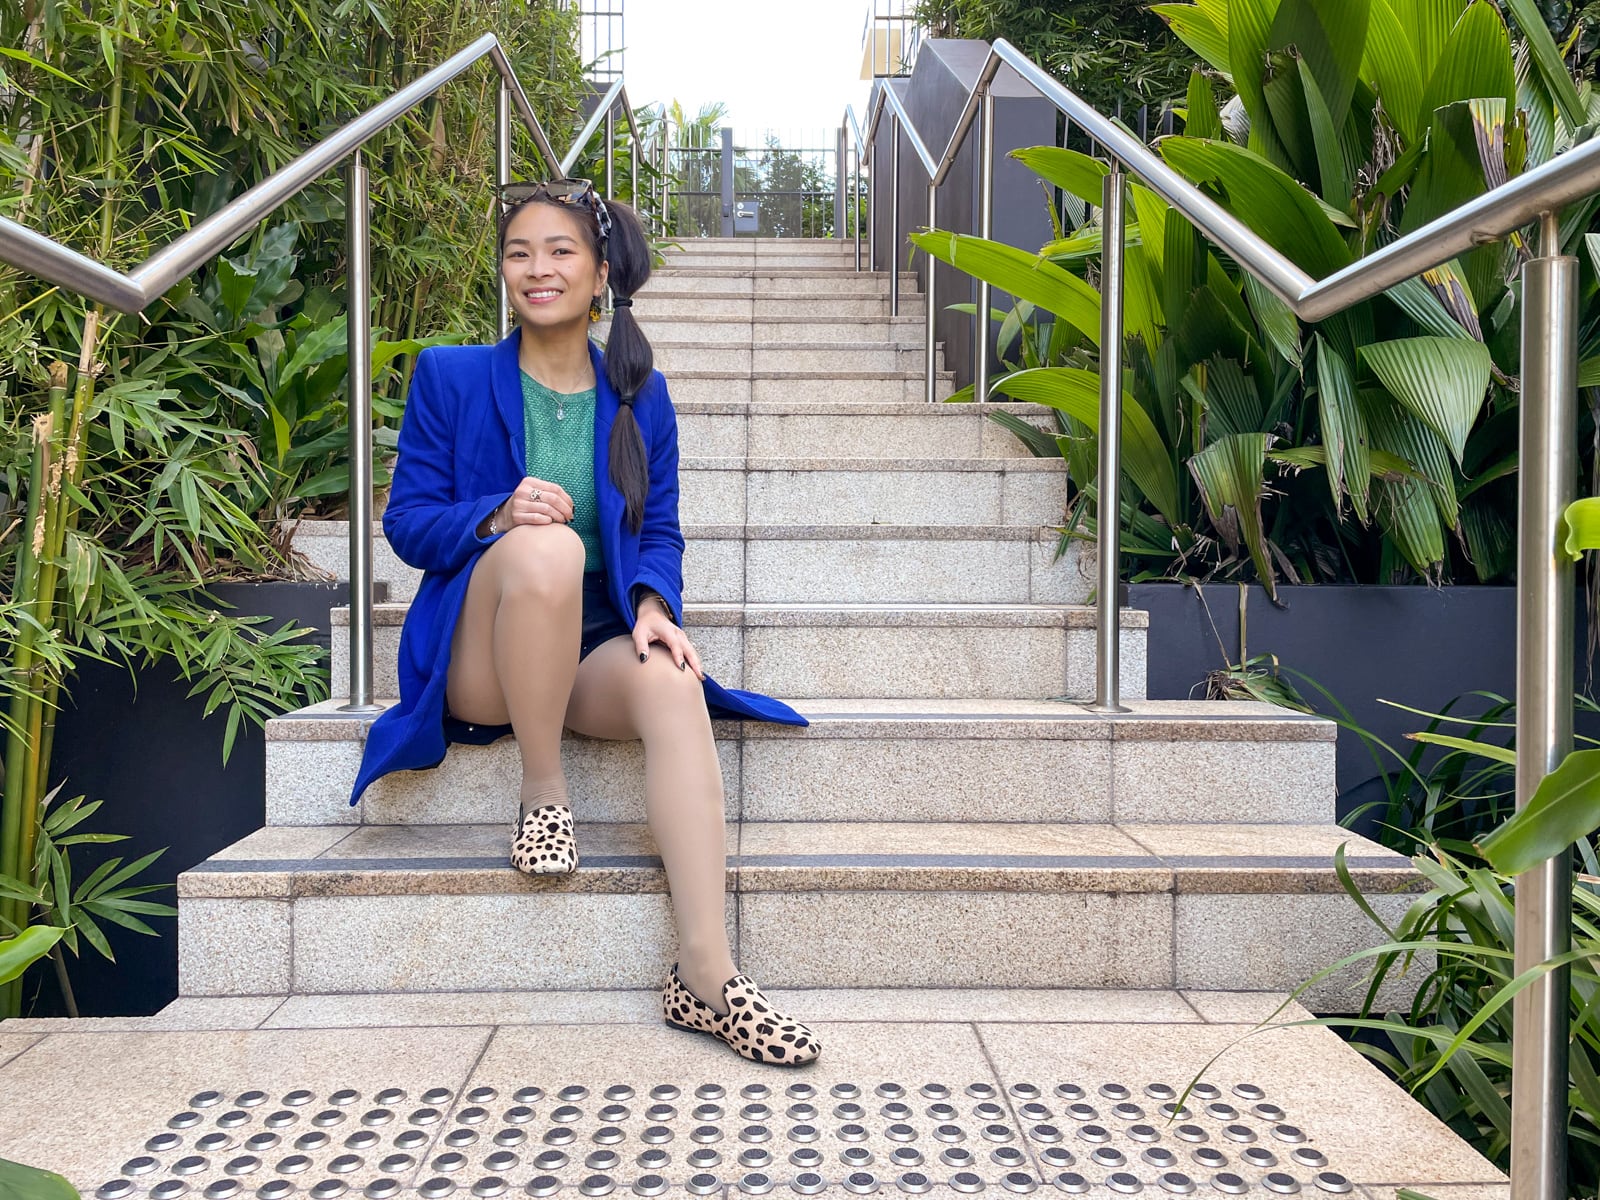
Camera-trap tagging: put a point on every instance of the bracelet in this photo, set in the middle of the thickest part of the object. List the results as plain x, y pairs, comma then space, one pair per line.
662, 600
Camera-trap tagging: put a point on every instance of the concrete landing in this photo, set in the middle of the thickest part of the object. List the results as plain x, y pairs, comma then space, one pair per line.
937, 1091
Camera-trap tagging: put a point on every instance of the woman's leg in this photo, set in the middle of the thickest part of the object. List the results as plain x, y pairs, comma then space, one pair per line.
515, 649
617, 696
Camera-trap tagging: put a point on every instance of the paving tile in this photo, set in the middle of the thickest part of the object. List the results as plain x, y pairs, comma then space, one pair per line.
1370, 1130
14, 1040
1243, 1008
233, 947
470, 1008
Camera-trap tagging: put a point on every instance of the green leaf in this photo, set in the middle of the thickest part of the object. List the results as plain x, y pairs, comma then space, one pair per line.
1331, 175
1589, 372
19, 953
1583, 526
1563, 809
1249, 40
1344, 431
1202, 118
1196, 29
1427, 24
1547, 57
1276, 321
1076, 392
1441, 380
33, 1183
1230, 476
1328, 36
1025, 276
1499, 754
1390, 65
24, 56
1475, 62
1076, 174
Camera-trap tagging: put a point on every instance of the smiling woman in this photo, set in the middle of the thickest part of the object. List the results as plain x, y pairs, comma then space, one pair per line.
537, 489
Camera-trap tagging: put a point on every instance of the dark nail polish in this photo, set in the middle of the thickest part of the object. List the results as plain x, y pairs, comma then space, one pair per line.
642, 657
683, 666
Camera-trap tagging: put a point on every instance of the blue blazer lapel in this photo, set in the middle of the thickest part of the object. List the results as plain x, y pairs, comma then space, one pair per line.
606, 405
506, 383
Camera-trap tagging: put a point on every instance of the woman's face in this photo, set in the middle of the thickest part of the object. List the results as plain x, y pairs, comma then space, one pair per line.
550, 272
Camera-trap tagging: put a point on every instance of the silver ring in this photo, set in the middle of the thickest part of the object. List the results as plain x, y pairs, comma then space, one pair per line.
536, 495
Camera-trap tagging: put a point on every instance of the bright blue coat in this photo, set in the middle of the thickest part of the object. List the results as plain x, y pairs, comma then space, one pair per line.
461, 455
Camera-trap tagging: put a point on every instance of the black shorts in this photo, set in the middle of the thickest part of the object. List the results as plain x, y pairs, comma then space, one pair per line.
600, 620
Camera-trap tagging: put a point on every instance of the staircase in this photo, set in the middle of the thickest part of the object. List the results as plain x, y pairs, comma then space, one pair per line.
954, 816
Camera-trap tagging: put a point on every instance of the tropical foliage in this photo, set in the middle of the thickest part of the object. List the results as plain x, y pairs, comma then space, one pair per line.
1256, 446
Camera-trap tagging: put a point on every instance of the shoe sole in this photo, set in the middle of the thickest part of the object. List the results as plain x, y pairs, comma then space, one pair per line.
717, 1037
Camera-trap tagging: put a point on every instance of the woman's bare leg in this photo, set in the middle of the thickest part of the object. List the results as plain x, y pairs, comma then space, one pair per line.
515, 649
617, 696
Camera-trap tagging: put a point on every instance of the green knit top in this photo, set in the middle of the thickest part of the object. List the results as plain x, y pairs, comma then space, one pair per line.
558, 434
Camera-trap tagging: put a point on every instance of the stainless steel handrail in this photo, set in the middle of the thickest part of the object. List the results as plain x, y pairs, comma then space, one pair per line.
132, 292
1546, 484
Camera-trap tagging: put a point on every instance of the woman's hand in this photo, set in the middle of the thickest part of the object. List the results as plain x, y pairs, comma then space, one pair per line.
536, 502
653, 625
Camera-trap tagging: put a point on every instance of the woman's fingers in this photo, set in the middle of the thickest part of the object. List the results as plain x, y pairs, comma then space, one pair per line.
540, 502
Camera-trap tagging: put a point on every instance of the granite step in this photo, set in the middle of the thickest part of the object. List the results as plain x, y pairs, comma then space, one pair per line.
906, 429
668, 303
715, 329
1165, 761
819, 262
943, 651
340, 909
855, 564
808, 357
776, 281
797, 388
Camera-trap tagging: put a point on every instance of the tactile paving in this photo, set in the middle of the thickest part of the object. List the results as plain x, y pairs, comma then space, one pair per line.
708, 1138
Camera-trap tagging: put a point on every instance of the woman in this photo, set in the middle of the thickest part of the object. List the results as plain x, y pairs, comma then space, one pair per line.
537, 489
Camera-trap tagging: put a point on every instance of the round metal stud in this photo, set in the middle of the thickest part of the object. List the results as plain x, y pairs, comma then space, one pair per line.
607, 1135
261, 1141
1269, 1112
1307, 1156
222, 1189
1160, 1091
523, 1095
1192, 1133
856, 1156
1082, 1112
914, 1182
612, 1112
1239, 1133
949, 1133
251, 1098
755, 1157
981, 1091
1018, 1181
1332, 1181
1222, 1112
1114, 1091
327, 1189
906, 1156
478, 1095
542, 1185
344, 1096
299, 1097
956, 1157
1037, 1112
1121, 1181
280, 1119
562, 1135
935, 1091
1249, 1091
114, 1189
1174, 1112
169, 1189
649, 1185
1160, 1156
807, 1157
941, 1111
890, 1090
377, 1116
801, 1112
966, 1181
1107, 1156
461, 1137
1259, 1156
1229, 1184
388, 1096
361, 1139
1144, 1133
988, 1111
1176, 1182
490, 1185
450, 1160
1045, 1133
315, 1140
476, 1114
191, 1164
998, 1133
703, 1184
501, 1160
382, 1189
804, 1133
603, 1160
550, 1160
185, 1120
1281, 1182
616, 1092
426, 1116
1058, 1156
656, 1135
1025, 1091
660, 1112
1071, 1182
755, 1091
755, 1133
1094, 1133
1206, 1091
849, 1112
800, 1091
162, 1142
275, 1189
566, 1112
233, 1118
294, 1164
597, 1185
707, 1112
807, 1183
710, 1091
665, 1091
1070, 1091
701, 1159
900, 1132
1127, 1112
1288, 1133
437, 1187
705, 1133
1008, 1156
510, 1137
895, 1111
142, 1165
570, 1094
396, 1162
243, 1165
1211, 1157
851, 1133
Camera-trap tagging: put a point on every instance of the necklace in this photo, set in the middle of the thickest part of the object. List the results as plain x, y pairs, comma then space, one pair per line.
560, 397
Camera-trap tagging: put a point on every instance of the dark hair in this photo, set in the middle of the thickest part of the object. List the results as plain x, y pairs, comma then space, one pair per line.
628, 358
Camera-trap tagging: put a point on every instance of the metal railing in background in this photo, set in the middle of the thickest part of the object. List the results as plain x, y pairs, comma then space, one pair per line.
132, 292
890, 38
1547, 482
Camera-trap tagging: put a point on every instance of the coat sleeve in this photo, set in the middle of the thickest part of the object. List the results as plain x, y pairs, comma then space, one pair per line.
424, 521
660, 537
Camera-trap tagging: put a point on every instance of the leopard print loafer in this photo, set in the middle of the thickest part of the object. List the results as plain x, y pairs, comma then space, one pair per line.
543, 843
752, 1027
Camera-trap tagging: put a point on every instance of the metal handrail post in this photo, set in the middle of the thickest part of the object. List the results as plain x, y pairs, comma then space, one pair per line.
633, 171
502, 176
1108, 616
855, 201
358, 414
872, 204
840, 175
894, 217
980, 322
1546, 485
611, 154
931, 350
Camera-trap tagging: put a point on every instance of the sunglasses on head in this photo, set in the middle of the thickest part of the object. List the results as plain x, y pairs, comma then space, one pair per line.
562, 191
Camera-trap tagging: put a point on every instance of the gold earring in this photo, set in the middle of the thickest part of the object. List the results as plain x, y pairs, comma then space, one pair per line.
594, 310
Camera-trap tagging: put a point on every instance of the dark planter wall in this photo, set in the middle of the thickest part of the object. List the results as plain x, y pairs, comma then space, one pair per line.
138, 743
1418, 646
934, 95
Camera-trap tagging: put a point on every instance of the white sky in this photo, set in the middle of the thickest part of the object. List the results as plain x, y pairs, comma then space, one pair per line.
790, 66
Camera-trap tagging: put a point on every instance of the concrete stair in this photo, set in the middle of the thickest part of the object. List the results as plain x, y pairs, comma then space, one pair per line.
952, 814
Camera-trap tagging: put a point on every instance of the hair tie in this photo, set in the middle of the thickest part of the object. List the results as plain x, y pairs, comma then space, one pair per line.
622, 302
626, 402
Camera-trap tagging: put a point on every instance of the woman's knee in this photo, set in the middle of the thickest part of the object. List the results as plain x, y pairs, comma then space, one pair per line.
542, 560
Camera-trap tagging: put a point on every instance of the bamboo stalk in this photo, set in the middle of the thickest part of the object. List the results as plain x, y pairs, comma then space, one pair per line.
41, 732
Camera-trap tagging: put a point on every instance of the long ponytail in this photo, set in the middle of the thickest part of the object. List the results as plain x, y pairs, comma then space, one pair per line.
628, 356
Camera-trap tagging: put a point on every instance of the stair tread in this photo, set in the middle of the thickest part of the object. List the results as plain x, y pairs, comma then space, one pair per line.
1046, 466
756, 533
892, 615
